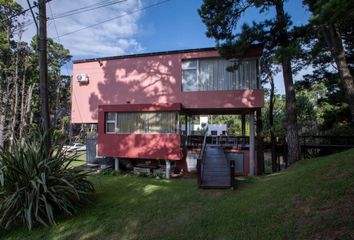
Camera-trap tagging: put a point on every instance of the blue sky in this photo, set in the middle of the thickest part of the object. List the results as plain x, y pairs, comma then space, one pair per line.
172, 25
177, 25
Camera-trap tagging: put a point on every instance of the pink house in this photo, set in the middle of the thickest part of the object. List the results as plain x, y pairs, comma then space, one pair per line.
142, 103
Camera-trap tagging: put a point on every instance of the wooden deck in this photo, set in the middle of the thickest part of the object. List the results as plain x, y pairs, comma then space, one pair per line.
215, 169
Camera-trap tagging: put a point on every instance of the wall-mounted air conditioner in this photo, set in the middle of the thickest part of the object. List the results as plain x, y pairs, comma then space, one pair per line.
82, 78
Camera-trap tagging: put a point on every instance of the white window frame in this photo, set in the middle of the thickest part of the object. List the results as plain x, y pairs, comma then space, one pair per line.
111, 121
197, 68
116, 129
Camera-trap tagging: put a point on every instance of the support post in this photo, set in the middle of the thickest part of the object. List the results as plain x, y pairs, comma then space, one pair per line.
252, 145
199, 169
186, 129
243, 125
260, 143
232, 174
168, 169
116, 165
243, 130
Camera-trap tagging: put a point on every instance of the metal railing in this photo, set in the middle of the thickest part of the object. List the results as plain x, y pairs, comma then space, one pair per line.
200, 161
335, 141
197, 140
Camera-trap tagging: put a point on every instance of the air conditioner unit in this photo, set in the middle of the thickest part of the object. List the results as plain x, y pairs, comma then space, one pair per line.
82, 78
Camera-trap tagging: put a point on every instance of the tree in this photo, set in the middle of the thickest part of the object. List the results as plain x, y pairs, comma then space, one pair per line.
308, 117
19, 79
58, 85
9, 9
325, 92
333, 20
233, 123
221, 18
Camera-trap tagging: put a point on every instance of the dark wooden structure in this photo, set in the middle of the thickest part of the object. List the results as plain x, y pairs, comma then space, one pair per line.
214, 170
314, 146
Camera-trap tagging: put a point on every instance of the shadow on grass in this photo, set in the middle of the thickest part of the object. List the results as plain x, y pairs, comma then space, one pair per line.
312, 200
128, 208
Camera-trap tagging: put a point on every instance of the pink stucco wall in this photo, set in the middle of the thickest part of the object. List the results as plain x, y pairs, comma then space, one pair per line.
155, 79
148, 146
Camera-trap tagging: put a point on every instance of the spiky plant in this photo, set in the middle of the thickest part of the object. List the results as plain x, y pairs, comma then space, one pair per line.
36, 187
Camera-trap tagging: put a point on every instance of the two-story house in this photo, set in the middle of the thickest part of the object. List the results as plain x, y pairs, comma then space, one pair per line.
141, 101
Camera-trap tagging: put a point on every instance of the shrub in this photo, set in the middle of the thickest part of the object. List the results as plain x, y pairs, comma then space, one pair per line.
109, 172
36, 187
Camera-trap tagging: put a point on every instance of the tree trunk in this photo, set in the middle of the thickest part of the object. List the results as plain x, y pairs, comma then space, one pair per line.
5, 109
260, 143
15, 102
57, 102
23, 102
14, 116
2, 123
2, 116
28, 113
292, 130
335, 44
271, 123
4, 87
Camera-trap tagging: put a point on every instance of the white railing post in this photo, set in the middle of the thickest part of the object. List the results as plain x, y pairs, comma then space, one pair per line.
252, 144
168, 169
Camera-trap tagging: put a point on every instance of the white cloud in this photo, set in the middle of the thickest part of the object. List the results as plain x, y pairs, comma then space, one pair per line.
115, 37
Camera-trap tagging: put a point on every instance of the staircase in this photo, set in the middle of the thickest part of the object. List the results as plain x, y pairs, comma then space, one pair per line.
215, 169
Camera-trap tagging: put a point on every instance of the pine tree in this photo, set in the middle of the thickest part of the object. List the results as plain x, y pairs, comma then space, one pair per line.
222, 16
333, 21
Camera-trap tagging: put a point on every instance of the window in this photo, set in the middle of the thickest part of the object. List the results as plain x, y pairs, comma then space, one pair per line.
143, 122
190, 73
212, 75
110, 122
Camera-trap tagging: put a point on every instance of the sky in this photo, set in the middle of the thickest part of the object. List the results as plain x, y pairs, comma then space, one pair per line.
137, 26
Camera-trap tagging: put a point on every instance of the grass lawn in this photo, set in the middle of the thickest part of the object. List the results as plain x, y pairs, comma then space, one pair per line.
81, 159
313, 199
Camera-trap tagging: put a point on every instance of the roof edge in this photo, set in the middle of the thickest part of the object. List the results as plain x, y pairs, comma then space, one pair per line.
145, 54
257, 53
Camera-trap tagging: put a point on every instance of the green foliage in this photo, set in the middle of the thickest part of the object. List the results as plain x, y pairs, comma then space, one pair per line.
144, 174
108, 172
58, 135
331, 11
233, 123
308, 115
19, 70
325, 91
156, 175
343, 130
36, 188
279, 117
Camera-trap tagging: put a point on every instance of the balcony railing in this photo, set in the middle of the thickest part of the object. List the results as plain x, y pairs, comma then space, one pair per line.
237, 141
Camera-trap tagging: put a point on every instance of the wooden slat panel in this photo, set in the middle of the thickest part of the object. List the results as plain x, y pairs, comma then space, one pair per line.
216, 168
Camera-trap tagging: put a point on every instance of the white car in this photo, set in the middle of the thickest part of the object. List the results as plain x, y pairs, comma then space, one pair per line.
76, 147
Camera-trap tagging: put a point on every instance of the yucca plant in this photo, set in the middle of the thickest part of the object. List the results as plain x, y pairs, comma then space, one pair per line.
36, 187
